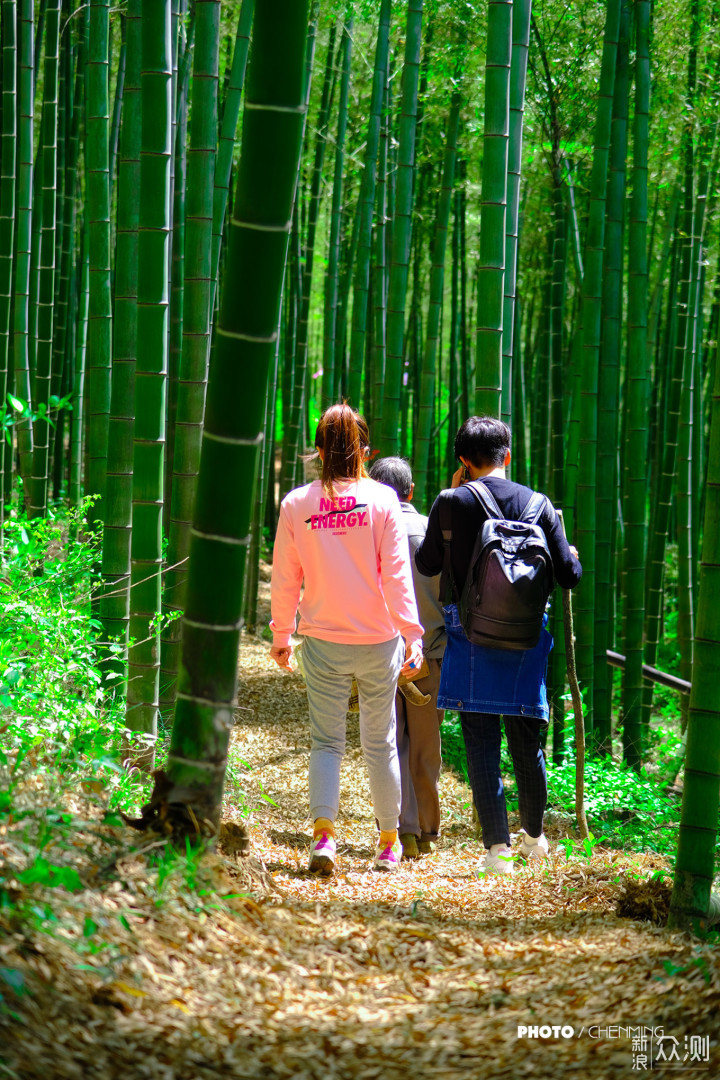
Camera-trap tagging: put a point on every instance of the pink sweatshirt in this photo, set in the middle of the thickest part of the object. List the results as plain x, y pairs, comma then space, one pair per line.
354, 559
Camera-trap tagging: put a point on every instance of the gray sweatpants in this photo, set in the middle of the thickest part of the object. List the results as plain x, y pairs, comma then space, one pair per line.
329, 670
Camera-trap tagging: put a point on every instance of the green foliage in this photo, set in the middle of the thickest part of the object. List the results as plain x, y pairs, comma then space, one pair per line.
172, 864
16, 409
63, 783
453, 747
627, 810
668, 648
56, 726
584, 847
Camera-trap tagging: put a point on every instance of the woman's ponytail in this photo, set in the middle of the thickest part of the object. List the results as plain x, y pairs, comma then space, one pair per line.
343, 437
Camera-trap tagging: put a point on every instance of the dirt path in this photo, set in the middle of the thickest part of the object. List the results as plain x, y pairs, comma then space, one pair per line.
431, 972
426, 973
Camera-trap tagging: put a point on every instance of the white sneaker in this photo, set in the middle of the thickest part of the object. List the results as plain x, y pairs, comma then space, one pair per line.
535, 849
499, 862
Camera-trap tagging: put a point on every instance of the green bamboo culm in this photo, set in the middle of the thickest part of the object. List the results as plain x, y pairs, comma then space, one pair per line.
557, 302
197, 316
97, 167
46, 261
36, 225
557, 661
401, 232
663, 487
375, 351
695, 863
606, 500
68, 92
589, 367
348, 248
491, 271
635, 490
686, 349
437, 279
178, 178
366, 202
150, 372
26, 94
39, 33
118, 102
114, 607
76, 426
518, 77
189, 791
8, 142
252, 574
297, 414
228, 128
76, 344
331, 377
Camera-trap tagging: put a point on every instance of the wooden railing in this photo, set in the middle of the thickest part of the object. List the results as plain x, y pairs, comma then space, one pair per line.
616, 659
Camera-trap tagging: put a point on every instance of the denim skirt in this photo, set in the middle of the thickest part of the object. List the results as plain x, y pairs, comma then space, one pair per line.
475, 678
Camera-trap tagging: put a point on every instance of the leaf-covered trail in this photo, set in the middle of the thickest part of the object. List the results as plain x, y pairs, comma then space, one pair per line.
426, 973
431, 971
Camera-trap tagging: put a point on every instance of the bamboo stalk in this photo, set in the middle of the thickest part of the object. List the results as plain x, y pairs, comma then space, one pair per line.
636, 381
114, 610
188, 793
26, 68
199, 287
491, 271
150, 372
586, 521
8, 142
330, 378
401, 232
99, 340
577, 708
46, 261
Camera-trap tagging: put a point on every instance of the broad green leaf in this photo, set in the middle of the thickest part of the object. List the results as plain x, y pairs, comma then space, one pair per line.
90, 927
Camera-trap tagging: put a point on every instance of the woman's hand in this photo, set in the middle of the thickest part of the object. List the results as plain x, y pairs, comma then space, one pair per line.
281, 656
413, 658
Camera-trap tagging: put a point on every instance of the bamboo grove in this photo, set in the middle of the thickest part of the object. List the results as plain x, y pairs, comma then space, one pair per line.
428, 209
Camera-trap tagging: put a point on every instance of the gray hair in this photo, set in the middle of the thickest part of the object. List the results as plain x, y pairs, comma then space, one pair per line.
395, 473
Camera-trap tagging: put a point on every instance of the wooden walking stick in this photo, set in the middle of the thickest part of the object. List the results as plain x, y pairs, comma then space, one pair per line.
577, 707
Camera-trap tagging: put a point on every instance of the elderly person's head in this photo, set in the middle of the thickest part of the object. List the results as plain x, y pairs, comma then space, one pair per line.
395, 473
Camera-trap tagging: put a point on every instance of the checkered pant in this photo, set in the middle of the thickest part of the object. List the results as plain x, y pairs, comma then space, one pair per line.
482, 734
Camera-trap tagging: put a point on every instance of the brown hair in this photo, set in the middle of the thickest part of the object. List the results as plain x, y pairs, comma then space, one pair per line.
343, 437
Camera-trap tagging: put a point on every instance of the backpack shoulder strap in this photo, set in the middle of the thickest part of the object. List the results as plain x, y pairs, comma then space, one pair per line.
533, 509
445, 520
486, 499
448, 591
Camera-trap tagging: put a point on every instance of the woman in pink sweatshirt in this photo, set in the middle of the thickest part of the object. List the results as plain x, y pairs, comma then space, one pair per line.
342, 536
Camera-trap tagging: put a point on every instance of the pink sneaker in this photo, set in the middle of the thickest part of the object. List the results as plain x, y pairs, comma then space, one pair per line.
322, 855
388, 857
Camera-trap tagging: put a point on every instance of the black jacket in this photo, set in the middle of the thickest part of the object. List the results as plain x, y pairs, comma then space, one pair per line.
467, 518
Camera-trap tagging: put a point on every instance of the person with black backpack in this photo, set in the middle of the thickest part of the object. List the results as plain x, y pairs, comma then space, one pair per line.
501, 549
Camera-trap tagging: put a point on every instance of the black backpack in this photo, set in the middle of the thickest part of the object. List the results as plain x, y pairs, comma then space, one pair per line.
510, 575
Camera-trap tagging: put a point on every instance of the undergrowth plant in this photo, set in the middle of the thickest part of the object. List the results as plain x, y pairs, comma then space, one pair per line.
63, 781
